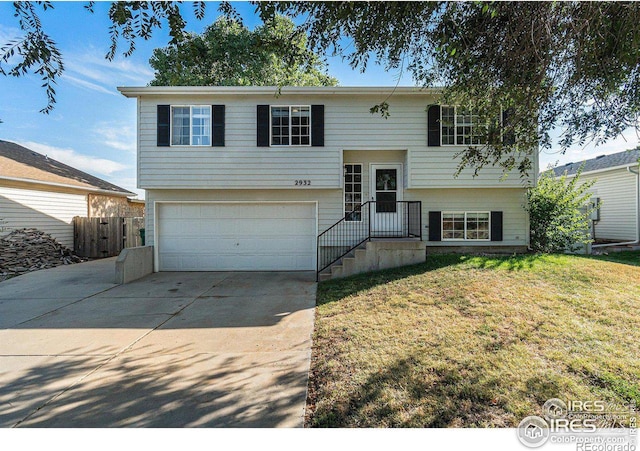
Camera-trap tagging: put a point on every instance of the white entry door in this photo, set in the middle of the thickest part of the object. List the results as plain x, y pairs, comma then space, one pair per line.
386, 191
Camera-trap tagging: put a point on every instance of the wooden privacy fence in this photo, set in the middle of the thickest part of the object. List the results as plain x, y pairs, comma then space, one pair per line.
105, 237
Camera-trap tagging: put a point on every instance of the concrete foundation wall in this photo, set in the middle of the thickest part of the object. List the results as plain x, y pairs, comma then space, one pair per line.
134, 263
377, 255
504, 250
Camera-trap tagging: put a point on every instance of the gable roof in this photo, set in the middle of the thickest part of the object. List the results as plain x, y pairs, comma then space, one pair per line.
602, 162
18, 162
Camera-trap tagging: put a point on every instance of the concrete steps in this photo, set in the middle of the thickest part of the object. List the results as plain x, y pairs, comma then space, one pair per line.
376, 255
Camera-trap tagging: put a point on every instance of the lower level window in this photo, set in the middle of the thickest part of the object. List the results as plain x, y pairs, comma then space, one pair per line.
352, 192
465, 226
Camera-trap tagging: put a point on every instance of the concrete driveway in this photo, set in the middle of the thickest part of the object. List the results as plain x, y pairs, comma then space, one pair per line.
170, 350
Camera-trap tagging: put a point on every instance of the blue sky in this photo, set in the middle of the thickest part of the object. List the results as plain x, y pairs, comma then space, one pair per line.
93, 127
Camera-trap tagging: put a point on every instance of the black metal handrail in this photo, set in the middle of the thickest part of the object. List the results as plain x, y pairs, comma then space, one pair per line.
372, 219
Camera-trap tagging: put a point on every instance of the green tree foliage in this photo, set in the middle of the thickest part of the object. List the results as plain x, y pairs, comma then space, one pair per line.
559, 213
229, 54
568, 65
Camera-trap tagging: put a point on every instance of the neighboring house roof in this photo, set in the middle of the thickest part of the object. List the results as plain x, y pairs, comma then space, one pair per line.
613, 160
18, 162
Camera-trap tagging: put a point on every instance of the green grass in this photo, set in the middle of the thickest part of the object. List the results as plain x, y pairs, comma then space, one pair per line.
471, 341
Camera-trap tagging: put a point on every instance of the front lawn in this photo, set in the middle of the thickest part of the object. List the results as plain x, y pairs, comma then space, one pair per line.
466, 341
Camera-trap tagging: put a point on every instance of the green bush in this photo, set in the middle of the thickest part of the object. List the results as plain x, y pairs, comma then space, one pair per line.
559, 212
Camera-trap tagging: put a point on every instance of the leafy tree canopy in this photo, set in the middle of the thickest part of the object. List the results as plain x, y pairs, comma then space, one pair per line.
568, 65
229, 54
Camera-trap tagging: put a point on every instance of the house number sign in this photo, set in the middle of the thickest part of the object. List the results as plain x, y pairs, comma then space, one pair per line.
302, 182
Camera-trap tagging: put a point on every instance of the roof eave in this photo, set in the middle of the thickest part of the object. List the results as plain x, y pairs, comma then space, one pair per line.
274, 90
596, 171
68, 186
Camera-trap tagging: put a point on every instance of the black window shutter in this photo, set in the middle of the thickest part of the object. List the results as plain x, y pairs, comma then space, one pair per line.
435, 226
263, 126
496, 226
164, 125
217, 126
433, 126
317, 125
509, 137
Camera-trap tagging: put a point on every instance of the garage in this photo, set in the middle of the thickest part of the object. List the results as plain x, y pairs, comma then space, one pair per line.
223, 236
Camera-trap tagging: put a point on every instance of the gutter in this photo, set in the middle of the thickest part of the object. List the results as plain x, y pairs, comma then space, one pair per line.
64, 185
637, 240
274, 90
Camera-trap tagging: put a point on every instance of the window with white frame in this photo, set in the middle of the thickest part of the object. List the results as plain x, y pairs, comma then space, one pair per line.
461, 127
191, 125
352, 192
466, 226
291, 125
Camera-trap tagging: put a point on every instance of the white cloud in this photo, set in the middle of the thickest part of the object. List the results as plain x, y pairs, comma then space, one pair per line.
90, 70
8, 34
86, 163
88, 85
577, 153
119, 137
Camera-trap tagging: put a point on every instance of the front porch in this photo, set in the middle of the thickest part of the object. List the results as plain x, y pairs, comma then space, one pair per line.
375, 235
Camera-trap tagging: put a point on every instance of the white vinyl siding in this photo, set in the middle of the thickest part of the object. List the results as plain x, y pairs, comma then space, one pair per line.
49, 212
348, 125
616, 190
515, 221
330, 204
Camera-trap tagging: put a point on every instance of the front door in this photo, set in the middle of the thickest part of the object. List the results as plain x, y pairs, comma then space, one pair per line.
386, 191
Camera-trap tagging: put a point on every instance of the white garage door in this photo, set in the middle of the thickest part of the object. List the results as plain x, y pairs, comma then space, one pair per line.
236, 236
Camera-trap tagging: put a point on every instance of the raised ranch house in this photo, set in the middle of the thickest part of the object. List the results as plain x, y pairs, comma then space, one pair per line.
40, 192
242, 178
617, 189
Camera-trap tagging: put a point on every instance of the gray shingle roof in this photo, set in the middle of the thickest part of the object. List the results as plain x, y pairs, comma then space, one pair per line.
601, 162
36, 160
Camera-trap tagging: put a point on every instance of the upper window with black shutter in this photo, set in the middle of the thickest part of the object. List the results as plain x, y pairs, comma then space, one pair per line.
290, 125
190, 125
461, 127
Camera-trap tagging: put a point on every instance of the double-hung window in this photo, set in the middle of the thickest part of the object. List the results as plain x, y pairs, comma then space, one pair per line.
460, 127
191, 125
352, 192
466, 226
291, 125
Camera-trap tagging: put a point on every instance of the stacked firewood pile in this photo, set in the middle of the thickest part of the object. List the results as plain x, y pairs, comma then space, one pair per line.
26, 250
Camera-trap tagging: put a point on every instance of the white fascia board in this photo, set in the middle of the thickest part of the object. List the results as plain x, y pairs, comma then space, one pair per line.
64, 185
273, 90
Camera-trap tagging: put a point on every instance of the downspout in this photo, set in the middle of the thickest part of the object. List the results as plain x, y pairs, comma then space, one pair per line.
637, 240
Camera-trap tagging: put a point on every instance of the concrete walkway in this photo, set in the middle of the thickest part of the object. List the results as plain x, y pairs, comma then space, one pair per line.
170, 350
